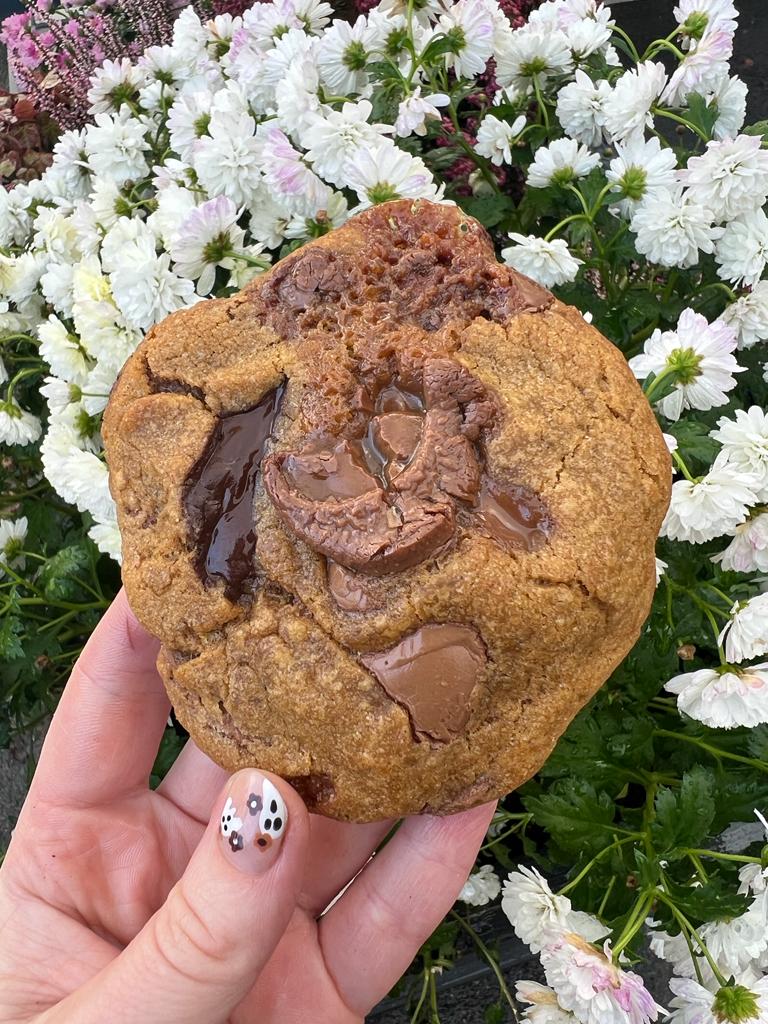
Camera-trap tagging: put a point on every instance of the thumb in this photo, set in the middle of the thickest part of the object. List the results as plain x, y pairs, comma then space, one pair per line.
201, 952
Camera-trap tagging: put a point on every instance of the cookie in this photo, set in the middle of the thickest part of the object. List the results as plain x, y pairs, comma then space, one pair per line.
391, 512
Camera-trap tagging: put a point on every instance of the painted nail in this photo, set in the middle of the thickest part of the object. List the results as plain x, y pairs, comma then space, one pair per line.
253, 822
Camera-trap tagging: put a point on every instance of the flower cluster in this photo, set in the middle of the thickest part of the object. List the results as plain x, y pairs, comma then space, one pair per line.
208, 157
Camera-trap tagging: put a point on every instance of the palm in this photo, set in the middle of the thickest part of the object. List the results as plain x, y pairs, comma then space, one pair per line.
96, 853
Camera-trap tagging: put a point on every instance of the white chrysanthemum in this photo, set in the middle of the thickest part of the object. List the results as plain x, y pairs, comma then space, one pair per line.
730, 95
723, 699
495, 138
59, 394
671, 228
386, 172
146, 292
737, 944
742, 251
413, 112
543, 1007
753, 878
114, 83
56, 286
745, 446
297, 98
481, 887
342, 54
334, 215
228, 159
628, 108
54, 233
586, 981
580, 108
587, 36
559, 163
337, 136
706, 16
165, 66
106, 537
79, 476
641, 168
62, 351
749, 316
530, 56
116, 145
13, 533
188, 120
72, 163
744, 1002
661, 568
746, 632
470, 26
549, 263
209, 237
710, 507
698, 356
268, 219
292, 183
174, 204
17, 425
731, 177
701, 69
538, 916
748, 551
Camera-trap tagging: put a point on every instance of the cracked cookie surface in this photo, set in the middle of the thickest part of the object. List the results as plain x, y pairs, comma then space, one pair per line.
391, 512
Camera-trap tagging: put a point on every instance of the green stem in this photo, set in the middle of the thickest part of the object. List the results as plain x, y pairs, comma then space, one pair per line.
680, 461
588, 867
716, 752
541, 103
696, 861
663, 44
632, 48
660, 112
668, 371
685, 924
635, 922
566, 220
739, 858
486, 953
606, 895
422, 997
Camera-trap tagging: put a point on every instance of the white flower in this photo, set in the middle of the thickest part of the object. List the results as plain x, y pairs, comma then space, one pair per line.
147, 292
731, 177
174, 204
710, 507
723, 699
580, 108
749, 316
470, 26
543, 1006
671, 228
205, 240
56, 286
560, 162
62, 350
230, 822
342, 54
661, 568
586, 981
72, 163
481, 887
115, 145
293, 184
628, 108
17, 426
412, 113
742, 251
495, 138
748, 551
588, 35
746, 633
711, 16
730, 95
530, 56
80, 477
268, 220
188, 121
106, 537
334, 215
378, 174
695, 1004
297, 97
13, 533
112, 84
641, 168
549, 263
737, 944
745, 446
228, 159
701, 69
752, 879
538, 916
699, 358
334, 138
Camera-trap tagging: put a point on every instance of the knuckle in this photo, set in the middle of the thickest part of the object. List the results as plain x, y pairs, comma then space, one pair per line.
186, 943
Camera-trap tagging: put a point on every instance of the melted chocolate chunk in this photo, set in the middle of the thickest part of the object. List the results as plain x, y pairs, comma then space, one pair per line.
513, 516
339, 473
433, 673
219, 494
348, 590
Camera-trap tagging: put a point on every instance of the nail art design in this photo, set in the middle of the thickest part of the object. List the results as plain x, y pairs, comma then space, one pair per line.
254, 819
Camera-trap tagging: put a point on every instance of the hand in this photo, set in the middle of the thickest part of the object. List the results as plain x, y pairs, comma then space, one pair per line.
119, 904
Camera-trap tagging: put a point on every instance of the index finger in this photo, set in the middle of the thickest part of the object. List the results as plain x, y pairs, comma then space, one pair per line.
104, 736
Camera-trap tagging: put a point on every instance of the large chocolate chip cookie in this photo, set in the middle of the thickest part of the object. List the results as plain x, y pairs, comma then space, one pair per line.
391, 511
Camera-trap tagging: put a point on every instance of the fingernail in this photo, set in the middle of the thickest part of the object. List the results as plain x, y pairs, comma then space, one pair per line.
253, 822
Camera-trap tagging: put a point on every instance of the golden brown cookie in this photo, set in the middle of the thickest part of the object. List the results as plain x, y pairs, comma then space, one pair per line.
391, 511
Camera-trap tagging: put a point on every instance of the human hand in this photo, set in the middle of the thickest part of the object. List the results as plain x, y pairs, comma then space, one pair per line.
119, 904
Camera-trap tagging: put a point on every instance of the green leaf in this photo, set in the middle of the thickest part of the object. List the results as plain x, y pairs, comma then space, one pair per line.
440, 45
757, 742
647, 869
694, 440
494, 1014
716, 900
60, 576
758, 128
737, 796
489, 210
700, 113
683, 816
578, 817
11, 630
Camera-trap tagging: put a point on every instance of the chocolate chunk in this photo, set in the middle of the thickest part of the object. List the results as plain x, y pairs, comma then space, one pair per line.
433, 673
513, 516
338, 473
219, 493
312, 275
347, 589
